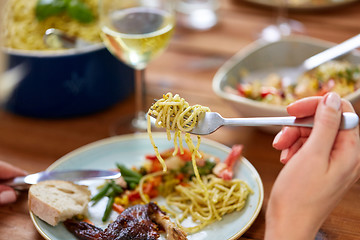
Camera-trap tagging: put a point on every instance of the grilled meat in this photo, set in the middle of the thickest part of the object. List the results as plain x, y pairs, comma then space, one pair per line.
133, 223
172, 232
141, 222
83, 230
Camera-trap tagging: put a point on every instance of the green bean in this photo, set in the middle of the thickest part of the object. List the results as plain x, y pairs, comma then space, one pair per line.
132, 185
101, 193
131, 180
126, 172
110, 190
108, 207
118, 189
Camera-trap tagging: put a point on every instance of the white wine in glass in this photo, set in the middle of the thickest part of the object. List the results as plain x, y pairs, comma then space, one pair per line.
136, 32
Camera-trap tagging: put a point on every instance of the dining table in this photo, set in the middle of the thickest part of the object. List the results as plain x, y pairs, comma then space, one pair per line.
187, 67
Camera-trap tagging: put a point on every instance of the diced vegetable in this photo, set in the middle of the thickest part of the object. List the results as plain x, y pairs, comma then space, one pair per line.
88, 221
150, 189
124, 200
186, 156
118, 208
134, 195
203, 170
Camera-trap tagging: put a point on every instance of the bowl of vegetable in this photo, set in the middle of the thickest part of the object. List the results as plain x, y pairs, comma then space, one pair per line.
58, 83
264, 94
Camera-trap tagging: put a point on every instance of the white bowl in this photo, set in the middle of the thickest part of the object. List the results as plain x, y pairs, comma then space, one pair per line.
288, 52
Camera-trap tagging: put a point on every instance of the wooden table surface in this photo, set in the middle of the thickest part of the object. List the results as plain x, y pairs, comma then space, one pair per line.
187, 68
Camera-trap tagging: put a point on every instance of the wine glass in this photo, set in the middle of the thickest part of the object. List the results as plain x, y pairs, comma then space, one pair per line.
283, 26
136, 31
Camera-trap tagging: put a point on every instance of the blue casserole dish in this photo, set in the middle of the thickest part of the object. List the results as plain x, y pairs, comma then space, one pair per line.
68, 83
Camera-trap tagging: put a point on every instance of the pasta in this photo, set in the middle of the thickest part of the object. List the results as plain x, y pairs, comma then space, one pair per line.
206, 199
22, 30
174, 114
223, 196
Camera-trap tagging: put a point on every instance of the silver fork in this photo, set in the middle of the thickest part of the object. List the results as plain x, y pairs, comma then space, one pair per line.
290, 75
211, 121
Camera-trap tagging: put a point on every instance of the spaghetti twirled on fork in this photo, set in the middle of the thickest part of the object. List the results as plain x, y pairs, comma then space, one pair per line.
175, 114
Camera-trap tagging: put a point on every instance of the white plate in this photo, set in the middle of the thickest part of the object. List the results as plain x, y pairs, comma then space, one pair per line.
303, 5
130, 150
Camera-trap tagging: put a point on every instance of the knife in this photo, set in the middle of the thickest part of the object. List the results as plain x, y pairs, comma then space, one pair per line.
23, 182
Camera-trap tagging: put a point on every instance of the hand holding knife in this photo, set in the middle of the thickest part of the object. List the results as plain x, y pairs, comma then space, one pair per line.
23, 182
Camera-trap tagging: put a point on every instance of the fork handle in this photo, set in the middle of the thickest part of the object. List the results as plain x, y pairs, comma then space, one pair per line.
349, 120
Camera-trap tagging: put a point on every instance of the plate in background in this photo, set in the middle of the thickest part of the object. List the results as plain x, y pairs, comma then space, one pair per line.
303, 4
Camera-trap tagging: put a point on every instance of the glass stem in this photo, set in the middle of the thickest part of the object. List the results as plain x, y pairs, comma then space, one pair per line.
282, 19
282, 12
140, 93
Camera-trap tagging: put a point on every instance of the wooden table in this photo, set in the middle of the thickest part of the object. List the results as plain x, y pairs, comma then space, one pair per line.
34, 144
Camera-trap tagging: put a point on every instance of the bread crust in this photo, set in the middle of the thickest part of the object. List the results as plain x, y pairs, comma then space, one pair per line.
54, 201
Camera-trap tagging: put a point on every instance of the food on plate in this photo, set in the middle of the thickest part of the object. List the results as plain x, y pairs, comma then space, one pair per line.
54, 201
141, 222
190, 201
337, 76
185, 198
199, 199
25, 21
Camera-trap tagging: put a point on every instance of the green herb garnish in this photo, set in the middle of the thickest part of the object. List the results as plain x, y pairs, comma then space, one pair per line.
76, 9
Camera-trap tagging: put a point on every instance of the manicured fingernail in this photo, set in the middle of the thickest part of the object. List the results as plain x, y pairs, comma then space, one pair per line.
283, 155
277, 137
333, 100
7, 196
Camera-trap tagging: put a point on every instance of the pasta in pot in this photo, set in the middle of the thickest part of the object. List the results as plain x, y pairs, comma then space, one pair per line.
22, 30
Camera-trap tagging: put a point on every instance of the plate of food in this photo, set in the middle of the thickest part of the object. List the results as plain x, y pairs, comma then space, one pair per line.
136, 153
303, 4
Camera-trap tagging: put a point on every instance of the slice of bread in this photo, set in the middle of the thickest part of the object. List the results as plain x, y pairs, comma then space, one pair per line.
54, 201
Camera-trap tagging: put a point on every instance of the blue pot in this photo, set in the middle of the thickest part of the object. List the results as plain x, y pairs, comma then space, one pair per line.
68, 83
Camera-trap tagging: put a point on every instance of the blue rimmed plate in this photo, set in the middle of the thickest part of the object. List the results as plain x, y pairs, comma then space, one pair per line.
130, 150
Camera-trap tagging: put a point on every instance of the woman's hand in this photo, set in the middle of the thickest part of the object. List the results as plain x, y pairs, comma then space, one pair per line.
7, 171
322, 163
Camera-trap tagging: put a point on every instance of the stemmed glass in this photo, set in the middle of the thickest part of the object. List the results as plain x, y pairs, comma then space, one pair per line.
137, 31
283, 26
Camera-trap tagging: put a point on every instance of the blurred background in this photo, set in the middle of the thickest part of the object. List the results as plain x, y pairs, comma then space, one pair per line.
56, 100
